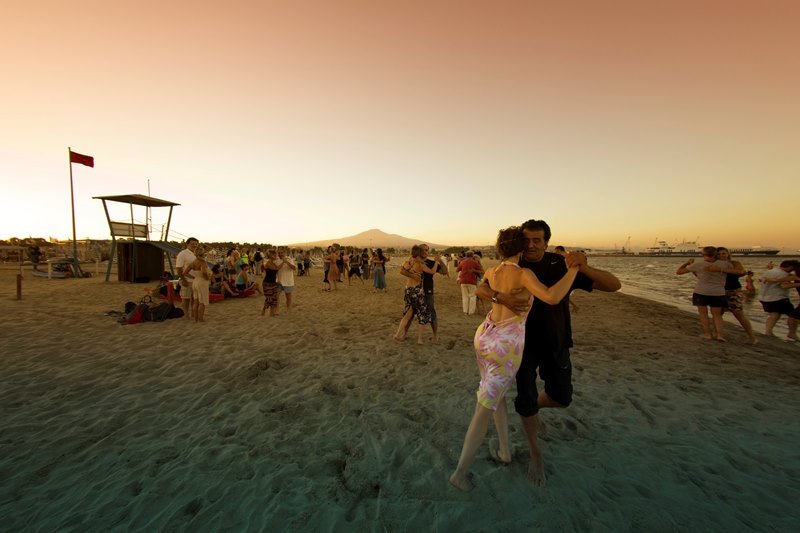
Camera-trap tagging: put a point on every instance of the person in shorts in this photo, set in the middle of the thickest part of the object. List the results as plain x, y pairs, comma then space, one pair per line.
709, 291
286, 270
548, 334
774, 297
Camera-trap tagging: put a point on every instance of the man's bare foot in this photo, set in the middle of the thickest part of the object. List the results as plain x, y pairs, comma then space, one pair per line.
398, 339
721, 339
263, 311
707, 336
542, 431
536, 473
461, 483
419, 341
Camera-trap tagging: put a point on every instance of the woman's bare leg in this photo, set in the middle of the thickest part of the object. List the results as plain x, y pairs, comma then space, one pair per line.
472, 443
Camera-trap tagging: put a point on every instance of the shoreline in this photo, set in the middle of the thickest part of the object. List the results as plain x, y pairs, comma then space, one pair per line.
318, 420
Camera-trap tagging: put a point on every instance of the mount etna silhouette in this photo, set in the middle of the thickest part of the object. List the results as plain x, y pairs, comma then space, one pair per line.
373, 238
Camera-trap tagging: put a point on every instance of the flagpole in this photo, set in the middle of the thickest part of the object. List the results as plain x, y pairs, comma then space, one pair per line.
147, 212
77, 267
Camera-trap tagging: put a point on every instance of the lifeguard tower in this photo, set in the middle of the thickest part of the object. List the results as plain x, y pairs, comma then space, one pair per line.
139, 259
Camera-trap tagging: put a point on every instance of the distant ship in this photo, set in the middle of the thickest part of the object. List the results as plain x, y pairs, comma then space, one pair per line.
693, 249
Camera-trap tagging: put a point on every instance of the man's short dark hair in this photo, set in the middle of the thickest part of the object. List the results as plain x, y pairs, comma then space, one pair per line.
538, 225
190, 240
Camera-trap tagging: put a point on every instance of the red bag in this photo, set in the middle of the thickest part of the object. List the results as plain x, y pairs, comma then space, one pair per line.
139, 313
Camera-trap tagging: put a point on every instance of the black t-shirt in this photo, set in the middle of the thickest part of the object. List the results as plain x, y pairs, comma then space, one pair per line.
427, 279
549, 327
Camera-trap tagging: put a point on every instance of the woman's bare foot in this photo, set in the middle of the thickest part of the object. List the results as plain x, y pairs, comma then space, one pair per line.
461, 483
499, 458
721, 339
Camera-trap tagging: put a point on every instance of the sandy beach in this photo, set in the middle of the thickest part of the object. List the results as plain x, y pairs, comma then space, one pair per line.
316, 420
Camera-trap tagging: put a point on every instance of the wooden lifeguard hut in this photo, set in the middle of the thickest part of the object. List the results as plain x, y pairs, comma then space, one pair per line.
139, 258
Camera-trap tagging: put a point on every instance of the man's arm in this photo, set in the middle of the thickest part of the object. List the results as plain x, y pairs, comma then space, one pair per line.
601, 279
442, 265
407, 272
513, 302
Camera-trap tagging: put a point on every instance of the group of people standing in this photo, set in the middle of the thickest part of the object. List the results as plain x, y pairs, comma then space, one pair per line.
197, 279
718, 289
337, 263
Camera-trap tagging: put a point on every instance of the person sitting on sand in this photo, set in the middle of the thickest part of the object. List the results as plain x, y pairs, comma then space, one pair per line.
229, 264
709, 291
242, 281
414, 296
499, 342
219, 283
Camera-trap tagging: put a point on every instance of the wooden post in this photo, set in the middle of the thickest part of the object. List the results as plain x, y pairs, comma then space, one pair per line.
19, 286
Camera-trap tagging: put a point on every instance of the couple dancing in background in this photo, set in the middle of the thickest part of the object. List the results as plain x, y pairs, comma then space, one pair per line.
527, 329
718, 288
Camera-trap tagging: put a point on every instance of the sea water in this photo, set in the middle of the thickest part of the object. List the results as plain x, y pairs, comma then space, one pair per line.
654, 278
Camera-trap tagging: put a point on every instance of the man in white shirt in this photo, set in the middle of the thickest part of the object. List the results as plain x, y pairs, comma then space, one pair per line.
286, 275
185, 258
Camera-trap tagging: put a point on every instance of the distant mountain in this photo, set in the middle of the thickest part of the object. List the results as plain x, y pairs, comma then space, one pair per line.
373, 238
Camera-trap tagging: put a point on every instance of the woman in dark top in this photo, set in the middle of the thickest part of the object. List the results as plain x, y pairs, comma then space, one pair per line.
271, 286
733, 292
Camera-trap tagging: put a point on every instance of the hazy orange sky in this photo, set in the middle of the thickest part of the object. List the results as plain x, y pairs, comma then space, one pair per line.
287, 121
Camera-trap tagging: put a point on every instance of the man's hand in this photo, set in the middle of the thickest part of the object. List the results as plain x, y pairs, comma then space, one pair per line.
577, 259
513, 302
410, 273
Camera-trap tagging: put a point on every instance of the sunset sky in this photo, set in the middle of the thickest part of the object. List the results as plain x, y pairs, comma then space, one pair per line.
291, 121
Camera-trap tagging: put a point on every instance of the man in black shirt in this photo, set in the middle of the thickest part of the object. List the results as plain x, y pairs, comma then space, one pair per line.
548, 334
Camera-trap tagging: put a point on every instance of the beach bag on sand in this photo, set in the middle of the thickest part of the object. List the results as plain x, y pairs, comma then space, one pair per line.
175, 312
159, 312
138, 313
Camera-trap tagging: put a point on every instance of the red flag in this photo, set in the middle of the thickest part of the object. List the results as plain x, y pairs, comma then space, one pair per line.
75, 157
